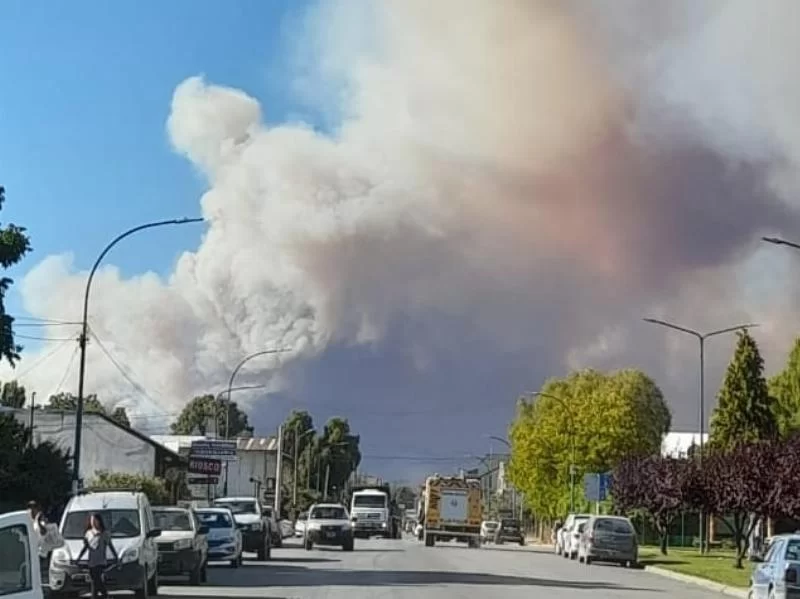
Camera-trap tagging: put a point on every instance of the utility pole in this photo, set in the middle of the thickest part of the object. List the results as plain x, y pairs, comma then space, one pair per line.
33, 407
294, 475
327, 480
279, 473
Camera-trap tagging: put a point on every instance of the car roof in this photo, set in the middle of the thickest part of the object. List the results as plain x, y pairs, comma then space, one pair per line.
316, 505
170, 508
221, 499
105, 500
214, 510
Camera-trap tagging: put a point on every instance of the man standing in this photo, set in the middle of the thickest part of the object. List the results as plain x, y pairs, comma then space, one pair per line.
39, 523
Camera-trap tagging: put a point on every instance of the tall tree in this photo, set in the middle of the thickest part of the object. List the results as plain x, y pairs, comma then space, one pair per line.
196, 413
14, 245
12, 395
339, 452
69, 403
745, 412
785, 388
120, 416
298, 429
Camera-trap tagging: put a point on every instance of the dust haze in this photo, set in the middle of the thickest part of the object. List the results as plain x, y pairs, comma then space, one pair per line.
505, 190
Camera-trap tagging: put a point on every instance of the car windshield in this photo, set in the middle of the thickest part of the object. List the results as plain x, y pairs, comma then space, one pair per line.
328, 513
172, 519
376, 501
122, 524
214, 519
238, 507
613, 525
511, 524
491, 525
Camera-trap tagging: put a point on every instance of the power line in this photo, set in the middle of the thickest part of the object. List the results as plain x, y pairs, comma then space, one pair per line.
66, 372
36, 338
34, 321
42, 359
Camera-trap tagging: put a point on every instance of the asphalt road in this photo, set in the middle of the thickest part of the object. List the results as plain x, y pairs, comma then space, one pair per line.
404, 569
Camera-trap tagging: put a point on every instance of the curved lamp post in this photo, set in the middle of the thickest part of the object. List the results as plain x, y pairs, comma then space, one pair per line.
701, 337
76, 462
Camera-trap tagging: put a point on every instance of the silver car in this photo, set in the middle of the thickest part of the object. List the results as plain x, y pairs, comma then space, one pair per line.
609, 539
777, 575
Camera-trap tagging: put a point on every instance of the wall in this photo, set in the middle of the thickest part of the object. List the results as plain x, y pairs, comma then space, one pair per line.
104, 446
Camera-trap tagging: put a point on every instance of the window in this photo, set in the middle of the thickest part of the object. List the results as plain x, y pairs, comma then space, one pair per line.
214, 519
792, 550
774, 550
172, 520
238, 507
122, 524
15, 564
329, 513
616, 526
374, 501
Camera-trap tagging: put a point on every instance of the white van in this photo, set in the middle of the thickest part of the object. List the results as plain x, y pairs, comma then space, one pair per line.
129, 519
19, 558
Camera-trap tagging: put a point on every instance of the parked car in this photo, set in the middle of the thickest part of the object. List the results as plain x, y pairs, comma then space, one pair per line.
609, 539
257, 523
777, 574
300, 525
224, 536
329, 524
128, 517
182, 545
509, 530
20, 577
568, 538
488, 528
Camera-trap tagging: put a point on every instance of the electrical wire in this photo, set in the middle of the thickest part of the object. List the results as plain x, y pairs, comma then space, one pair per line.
36, 338
41, 360
66, 372
30, 321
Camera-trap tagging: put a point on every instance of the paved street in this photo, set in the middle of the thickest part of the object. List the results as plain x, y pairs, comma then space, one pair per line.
407, 570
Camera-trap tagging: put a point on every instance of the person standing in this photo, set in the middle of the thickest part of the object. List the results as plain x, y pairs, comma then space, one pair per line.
39, 523
97, 542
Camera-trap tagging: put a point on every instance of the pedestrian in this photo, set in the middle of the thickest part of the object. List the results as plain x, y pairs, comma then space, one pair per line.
39, 524
96, 542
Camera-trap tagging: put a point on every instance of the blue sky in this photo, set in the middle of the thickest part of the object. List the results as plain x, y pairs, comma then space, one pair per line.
84, 98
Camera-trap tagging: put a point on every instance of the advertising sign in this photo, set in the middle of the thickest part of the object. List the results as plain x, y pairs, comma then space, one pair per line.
206, 466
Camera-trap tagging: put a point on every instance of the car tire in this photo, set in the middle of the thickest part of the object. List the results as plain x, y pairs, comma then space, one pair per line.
587, 560
143, 591
196, 575
204, 573
237, 561
308, 545
348, 545
152, 585
262, 551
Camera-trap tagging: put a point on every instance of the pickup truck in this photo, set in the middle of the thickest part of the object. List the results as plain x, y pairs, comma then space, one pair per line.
20, 576
255, 521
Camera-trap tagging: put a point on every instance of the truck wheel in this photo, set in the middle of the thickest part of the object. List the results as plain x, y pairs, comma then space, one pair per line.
348, 545
309, 545
204, 573
430, 540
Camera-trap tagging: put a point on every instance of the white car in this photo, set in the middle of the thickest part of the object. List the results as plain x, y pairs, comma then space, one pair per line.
20, 577
182, 545
569, 537
300, 525
329, 524
224, 536
488, 528
128, 517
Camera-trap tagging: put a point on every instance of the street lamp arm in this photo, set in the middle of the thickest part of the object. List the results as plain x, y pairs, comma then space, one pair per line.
740, 327
501, 440
778, 241
676, 327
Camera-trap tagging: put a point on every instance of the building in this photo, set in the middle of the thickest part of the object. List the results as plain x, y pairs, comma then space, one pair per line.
678, 445
105, 444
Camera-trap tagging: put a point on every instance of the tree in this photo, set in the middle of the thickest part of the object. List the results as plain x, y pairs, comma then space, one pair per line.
785, 388
745, 412
598, 418
661, 487
120, 416
339, 453
196, 413
298, 428
30, 472
12, 395
155, 488
739, 482
69, 403
14, 245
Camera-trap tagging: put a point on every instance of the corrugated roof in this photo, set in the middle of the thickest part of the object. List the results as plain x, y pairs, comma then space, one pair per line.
242, 443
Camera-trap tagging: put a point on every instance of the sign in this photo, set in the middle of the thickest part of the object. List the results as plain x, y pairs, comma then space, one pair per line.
595, 486
203, 480
205, 466
220, 450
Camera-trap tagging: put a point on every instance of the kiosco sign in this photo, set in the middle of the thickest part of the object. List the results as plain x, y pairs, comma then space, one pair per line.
205, 466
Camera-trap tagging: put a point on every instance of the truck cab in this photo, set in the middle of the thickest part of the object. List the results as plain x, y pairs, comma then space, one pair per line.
20, 577
371, 511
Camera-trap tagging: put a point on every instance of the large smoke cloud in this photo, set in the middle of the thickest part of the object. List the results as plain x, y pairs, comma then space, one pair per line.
510, 186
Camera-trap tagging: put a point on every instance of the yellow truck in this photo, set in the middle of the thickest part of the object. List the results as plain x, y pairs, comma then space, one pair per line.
451, 508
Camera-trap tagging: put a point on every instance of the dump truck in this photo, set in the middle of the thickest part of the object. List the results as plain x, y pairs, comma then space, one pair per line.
451, 509
375, 511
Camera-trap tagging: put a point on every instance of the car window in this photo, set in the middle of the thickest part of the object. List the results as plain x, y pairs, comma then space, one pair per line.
792, 552
613, 525
214, 519
774, 550
172, 520
238, 507
328, 513
122, 524
374, 501
15, 563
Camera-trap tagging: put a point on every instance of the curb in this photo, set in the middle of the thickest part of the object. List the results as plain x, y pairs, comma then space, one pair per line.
697, 581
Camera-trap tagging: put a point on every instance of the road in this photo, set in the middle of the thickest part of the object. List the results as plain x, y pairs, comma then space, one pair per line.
404, 569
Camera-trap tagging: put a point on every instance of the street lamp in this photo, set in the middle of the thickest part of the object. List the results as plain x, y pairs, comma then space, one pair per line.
76, 459
227, 392
701, 337
778, 241
570, 416
297, 437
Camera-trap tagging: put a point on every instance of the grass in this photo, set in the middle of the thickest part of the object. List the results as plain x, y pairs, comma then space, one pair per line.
717, 565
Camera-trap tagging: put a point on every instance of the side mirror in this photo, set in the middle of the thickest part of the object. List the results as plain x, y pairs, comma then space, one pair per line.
155, 532
203, 530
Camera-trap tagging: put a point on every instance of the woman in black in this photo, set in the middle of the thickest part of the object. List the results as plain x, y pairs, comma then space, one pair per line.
96, 543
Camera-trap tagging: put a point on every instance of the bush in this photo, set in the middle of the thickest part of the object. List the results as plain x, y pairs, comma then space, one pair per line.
155, 488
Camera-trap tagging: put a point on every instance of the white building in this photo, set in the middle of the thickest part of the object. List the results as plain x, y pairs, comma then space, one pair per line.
677, 445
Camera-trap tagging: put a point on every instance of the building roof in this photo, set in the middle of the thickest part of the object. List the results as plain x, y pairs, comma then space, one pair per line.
178, 442
677, 444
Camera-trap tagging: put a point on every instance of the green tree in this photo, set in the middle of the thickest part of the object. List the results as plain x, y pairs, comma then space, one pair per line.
745, 412
298, 429
39, 472
156, 489
12, 395
68, 402
120, 416
196, 413
339, 454
785, 388
598, 419
14, 245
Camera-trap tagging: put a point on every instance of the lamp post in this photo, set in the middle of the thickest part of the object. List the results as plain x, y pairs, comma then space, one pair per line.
572, 431
778, 241
236, 370
513, 489
701, 337
297, 437
76, 451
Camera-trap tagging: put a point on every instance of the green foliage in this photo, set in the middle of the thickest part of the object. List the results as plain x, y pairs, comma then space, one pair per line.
339, 452
120, 416
745, 412
296, 429
598, 418
91, 405
27, 472
14, 245
12, 395
785, 388
197, 412
155, 488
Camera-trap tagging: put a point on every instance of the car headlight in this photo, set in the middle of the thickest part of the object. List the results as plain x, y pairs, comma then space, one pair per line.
255, 526
183, 544
131, 555
314, 526
61, 557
